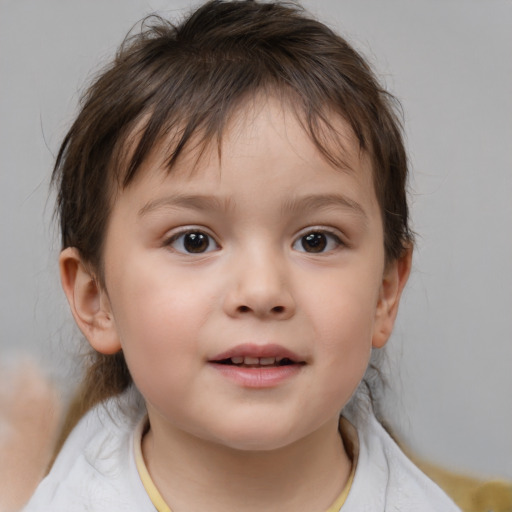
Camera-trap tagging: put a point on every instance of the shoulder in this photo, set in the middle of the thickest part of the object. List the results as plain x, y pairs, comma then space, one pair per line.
385, 479
95, 470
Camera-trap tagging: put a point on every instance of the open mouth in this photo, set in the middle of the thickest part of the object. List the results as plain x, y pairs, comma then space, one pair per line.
258, 366
257, 362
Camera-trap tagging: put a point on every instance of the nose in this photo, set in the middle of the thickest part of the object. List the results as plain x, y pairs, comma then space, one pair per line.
260, 287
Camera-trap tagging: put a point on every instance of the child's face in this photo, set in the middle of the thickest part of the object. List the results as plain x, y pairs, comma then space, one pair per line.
269, 253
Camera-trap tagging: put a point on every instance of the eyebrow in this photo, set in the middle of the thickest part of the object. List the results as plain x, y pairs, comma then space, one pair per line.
325, 201
298, 204
192, 202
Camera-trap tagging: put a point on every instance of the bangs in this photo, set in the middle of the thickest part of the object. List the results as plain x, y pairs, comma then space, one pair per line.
196, 135
180, 85
185, 85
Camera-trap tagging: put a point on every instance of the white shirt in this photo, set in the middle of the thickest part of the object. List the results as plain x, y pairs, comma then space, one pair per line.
96, 471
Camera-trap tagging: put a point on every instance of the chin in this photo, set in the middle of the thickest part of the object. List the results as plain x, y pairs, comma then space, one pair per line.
254, 439
255, 444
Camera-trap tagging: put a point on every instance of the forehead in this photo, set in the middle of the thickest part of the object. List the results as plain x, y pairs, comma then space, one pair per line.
250, 131
264, 150
181, 138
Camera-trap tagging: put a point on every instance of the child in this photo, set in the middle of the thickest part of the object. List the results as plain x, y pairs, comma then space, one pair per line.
235, 244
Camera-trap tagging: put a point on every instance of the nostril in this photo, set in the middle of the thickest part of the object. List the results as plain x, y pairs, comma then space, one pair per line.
276, 309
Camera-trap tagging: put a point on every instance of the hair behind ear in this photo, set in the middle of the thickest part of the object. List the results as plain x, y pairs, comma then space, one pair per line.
106, 376
106, 373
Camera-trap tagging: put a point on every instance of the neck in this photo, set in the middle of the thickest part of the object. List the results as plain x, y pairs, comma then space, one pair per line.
194, 474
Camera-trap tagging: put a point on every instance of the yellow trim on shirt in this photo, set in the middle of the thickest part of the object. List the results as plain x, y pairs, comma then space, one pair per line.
147, 481
347, 432
336, 506
350, 440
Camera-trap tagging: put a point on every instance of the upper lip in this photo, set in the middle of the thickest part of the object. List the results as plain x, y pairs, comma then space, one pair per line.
259, 351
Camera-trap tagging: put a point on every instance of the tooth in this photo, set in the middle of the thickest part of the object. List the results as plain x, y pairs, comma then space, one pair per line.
267, 360
237, 360
251, 360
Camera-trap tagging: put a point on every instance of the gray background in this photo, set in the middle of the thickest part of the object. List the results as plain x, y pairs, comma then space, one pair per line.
450, 63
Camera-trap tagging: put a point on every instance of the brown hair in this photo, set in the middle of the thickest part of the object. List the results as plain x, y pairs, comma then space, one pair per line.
186, 80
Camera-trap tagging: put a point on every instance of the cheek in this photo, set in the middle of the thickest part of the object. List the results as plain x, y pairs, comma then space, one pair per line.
344, 310
157, 320
346, 339
346, 351
147, 299
343, 330
159, 348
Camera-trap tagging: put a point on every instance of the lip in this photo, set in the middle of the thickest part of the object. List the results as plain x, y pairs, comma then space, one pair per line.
258, 377
254, 350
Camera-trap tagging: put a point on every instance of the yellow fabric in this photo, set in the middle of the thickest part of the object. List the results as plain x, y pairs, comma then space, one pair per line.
335, 507
147, 482
351, 442
347, 432
469, 493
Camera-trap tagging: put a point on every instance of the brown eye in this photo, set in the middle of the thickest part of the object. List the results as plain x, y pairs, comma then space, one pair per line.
196, 242
314, 242
317, 242
193, 242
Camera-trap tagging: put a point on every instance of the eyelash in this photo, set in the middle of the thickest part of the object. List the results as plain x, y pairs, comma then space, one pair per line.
331, 241
321, 240
180, 237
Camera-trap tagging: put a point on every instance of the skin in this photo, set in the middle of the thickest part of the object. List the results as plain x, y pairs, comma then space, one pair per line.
214, 442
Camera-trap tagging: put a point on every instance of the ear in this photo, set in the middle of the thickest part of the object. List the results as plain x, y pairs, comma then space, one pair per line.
394, 279
89, 302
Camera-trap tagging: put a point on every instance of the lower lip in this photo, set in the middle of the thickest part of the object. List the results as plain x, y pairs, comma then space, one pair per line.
260, 377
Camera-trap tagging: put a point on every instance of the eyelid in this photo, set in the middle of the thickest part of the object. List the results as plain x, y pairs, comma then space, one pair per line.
332, 233
175, 235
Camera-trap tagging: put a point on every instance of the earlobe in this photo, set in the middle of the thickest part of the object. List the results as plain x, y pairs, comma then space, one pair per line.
88, 302
393, 283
